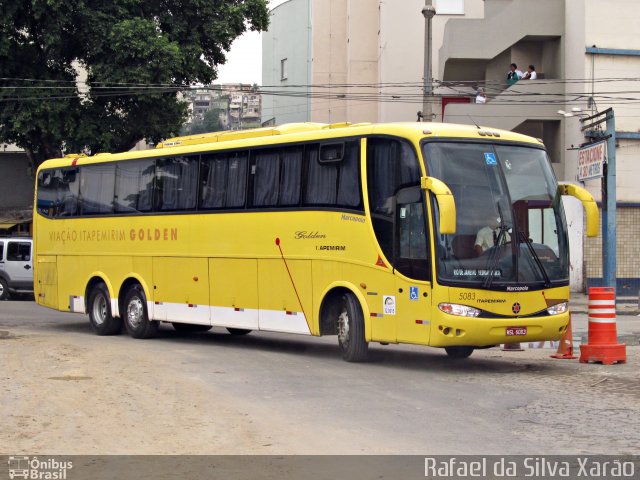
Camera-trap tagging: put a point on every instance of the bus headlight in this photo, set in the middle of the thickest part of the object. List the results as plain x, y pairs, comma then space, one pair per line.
460, 310
558, 308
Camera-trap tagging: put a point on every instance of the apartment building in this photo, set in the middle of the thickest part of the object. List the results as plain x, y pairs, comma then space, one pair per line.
362, 60
239, 105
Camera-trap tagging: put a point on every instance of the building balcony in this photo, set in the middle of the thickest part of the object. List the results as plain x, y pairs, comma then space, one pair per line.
520, 31
525, 100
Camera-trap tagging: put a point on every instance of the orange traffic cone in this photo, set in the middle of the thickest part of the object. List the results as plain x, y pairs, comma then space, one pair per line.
565, 349
602, 345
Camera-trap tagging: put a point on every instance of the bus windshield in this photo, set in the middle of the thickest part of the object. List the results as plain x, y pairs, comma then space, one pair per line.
510, 231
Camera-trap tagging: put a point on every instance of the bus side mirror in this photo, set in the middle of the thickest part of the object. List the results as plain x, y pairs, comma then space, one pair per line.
589, 204
446, 203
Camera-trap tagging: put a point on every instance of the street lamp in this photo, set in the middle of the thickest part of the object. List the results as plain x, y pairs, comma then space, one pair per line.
428, 11
575, 112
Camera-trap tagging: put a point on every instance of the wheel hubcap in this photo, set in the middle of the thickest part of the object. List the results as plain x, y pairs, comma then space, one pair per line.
343, 327
135, 312
100, 309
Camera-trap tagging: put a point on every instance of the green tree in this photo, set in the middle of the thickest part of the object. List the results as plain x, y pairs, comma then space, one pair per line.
90, 75
210, 123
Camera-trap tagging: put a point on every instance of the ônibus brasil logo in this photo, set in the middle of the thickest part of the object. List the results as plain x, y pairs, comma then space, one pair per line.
40, 469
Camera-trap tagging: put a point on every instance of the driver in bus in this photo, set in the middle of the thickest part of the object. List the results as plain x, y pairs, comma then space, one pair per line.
487, 236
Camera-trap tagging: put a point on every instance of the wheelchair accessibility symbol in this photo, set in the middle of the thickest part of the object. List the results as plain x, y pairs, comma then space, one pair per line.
413, 293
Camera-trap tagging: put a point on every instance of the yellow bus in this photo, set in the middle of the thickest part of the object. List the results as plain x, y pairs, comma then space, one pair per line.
443, 235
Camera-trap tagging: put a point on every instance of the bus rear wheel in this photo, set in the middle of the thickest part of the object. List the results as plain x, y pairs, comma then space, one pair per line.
100, 317
351, 330
136, 318
459, 352
190, 327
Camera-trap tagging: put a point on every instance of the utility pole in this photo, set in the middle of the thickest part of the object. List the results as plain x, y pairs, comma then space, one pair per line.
609, 253
428, 11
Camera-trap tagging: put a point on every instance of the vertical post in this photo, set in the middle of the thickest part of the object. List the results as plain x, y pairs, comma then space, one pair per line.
609, 253
427, 107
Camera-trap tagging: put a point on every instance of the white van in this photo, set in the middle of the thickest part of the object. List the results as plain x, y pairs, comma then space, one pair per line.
16, 269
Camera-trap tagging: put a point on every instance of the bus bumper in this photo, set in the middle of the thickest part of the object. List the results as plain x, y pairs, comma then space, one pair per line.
450, 330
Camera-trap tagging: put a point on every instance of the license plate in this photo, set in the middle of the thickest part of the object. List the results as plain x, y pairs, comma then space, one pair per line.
516, 331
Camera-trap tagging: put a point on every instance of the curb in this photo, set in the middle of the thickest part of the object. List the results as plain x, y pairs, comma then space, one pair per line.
632, 313
630, 339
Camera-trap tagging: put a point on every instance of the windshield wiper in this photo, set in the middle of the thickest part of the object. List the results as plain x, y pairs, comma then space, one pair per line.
494, 254
536, 258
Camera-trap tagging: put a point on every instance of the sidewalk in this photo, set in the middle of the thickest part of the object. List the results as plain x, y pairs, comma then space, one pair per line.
627, 321
624, 305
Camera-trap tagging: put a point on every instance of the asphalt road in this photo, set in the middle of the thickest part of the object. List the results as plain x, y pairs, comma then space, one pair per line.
64, 390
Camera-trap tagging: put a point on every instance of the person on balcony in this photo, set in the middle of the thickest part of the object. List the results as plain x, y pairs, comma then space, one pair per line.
481, 97
513, 75
531, 73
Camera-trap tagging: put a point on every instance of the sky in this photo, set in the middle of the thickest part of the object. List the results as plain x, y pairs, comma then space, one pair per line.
244, 60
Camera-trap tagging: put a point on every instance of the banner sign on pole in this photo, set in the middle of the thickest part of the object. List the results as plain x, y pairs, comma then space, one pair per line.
591, 161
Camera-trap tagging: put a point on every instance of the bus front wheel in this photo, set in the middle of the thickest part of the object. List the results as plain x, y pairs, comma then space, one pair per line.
136, 319
459, 352
351, 330
102, 322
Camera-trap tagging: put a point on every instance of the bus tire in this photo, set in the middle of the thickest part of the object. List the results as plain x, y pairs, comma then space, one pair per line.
4, 289
190, 327
100, 317
136, 318
459, 352
238, 331
350, 325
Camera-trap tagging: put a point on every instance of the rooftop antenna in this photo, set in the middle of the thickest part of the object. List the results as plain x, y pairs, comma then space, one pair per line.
474, 122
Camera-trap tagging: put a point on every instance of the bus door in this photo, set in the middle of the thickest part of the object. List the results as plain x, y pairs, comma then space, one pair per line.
411, 264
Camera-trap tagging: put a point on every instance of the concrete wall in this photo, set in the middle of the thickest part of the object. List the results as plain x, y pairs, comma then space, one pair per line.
401, 54
590, 25
362, 60
496, 71
288, 37
16, 182
351, 42
329, 63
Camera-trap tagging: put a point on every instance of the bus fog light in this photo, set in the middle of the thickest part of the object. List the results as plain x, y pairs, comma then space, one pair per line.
558, 308
460, 310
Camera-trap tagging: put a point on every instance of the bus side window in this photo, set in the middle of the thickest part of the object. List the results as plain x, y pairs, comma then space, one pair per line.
97, 186
134, 186
334, 184
267, 175
223, 181
176, 183
290, 176
278, 173
213, 181
349, 182
321, 181
67, 192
